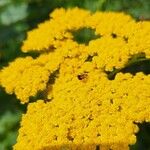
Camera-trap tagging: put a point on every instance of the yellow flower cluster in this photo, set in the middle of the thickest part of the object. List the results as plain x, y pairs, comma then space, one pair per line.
83, 108
91, 112
24, 77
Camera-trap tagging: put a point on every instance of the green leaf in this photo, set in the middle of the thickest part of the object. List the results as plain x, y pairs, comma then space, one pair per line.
13, 13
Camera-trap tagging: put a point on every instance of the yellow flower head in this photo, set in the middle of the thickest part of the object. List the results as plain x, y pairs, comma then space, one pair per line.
85, 105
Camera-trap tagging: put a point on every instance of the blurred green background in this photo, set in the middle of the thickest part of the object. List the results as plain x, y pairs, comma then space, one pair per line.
19, 16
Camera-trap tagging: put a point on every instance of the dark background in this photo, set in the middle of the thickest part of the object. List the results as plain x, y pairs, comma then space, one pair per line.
19, 16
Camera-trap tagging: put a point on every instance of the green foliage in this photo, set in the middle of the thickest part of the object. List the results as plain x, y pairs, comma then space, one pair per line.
8, 129
19, 16
84, 35
139, 9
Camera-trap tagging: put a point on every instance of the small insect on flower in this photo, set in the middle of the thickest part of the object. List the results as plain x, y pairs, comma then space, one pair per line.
82, 76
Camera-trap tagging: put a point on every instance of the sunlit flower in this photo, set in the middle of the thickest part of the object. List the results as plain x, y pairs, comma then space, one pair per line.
82, 107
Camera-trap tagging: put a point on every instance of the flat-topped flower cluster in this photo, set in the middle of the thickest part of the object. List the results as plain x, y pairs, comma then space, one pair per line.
81, 107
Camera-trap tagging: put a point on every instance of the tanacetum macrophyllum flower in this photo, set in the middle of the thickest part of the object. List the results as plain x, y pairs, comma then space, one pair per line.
83, 107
